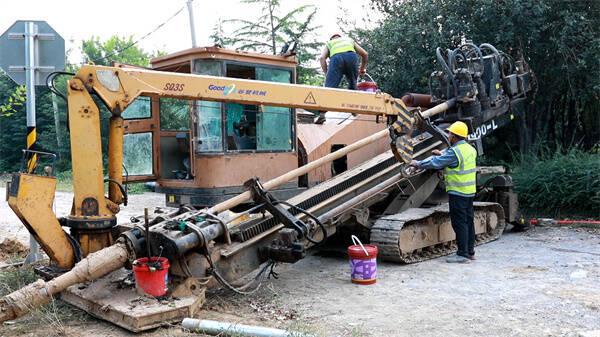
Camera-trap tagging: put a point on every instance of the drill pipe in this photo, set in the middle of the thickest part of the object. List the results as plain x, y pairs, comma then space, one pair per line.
107, 260
38, 293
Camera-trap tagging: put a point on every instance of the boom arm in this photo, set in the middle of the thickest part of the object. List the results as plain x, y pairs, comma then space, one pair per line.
118, 87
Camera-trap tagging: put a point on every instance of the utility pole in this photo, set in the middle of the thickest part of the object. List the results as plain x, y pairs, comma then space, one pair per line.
192, 27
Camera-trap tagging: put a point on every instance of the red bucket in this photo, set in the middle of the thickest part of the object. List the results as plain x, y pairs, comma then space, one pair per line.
153, 279
367, 84
363, 262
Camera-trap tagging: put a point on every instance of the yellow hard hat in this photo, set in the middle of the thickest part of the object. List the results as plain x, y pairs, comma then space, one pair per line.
459, 129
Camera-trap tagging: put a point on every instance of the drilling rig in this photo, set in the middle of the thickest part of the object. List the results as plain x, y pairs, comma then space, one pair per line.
400, 211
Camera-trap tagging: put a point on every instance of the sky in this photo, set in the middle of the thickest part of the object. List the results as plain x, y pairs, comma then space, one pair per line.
77, 20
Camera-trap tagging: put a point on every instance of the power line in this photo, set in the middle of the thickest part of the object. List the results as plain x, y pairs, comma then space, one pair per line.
117, 52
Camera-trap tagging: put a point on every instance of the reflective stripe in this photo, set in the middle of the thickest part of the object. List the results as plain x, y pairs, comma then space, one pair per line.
461, 160
340, 45
465, 171
460, 184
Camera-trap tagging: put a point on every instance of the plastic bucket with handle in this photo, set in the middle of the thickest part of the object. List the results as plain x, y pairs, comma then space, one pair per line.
363, 262
367, 84
151, 278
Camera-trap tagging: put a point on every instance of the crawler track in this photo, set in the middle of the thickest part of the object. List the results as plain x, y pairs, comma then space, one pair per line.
419, 234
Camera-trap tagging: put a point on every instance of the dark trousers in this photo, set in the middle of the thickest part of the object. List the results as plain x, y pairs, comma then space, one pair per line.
342, 64
461, 216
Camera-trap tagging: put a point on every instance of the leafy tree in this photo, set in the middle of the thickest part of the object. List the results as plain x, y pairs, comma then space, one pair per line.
13, 127
14, 101
560, 40
12, 104
273, 32
116, 49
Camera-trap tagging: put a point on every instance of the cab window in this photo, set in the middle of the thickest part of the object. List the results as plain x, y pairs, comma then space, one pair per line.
210, 126
274, 125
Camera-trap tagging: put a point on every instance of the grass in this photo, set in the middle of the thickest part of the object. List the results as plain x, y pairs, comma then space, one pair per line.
48, 320
65, 184
559, 183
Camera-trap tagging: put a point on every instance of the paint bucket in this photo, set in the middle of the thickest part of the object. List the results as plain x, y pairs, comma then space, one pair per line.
363, 262
151, 278
367, 84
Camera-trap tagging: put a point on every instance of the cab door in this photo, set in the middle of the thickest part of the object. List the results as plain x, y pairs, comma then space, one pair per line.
140, 140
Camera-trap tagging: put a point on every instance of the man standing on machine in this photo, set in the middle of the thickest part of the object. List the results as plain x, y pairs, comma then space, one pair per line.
459, 162
343, 55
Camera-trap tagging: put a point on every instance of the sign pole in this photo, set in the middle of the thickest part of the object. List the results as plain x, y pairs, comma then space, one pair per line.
29, 51
30, 32
30, 64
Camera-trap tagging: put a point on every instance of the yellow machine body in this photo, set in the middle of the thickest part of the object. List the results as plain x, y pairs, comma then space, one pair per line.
93, 215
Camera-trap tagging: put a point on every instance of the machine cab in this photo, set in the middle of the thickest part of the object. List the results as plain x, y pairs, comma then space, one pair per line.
200, 152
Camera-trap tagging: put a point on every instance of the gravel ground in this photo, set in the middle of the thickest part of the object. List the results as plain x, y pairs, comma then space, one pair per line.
544, 282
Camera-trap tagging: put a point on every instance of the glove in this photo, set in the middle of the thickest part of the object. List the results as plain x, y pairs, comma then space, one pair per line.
413, 163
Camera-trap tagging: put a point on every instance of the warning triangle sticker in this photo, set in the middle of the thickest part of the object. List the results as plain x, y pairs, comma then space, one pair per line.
310, 99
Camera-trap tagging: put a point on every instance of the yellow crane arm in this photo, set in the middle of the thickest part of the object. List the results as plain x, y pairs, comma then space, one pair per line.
93, 215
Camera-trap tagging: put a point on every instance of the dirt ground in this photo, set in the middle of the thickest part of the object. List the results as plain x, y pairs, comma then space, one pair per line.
544, 282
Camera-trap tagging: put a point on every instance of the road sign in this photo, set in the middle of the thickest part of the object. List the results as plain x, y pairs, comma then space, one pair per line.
48, 51
29, 52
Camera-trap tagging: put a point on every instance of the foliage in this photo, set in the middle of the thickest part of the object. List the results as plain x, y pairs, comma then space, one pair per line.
15, 100
274, 32
137, 188
13, 127
116, 49
560, 39
559, 182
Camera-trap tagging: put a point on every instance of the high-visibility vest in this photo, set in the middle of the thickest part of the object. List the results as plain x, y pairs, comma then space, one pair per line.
340, 45
463, 177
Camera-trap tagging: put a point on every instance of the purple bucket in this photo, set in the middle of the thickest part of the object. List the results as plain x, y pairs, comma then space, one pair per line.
363, 262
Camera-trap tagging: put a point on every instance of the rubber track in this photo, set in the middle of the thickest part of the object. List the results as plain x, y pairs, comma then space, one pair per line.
386, 234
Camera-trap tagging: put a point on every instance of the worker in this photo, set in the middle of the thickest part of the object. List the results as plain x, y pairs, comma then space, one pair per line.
459, 164
343, 55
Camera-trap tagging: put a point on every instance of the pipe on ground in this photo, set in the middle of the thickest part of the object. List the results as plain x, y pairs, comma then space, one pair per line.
564, 222
216, 328
95, 265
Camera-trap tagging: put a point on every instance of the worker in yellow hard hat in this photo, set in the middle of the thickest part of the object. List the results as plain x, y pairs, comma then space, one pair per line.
343, 54
459, 162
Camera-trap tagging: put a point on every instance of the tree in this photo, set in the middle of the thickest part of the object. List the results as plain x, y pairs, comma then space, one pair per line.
560, 40
273, 32
51, 119
116, 49
14, 101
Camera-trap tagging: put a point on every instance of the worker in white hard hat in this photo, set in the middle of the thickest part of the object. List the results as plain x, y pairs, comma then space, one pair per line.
459, 162
343, 54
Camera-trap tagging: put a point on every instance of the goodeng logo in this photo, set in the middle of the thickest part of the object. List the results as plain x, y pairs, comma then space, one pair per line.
228, 89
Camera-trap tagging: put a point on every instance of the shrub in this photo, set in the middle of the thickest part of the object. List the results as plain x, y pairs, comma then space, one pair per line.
559, 183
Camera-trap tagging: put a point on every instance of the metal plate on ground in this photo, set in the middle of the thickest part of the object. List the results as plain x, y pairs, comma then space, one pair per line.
107, 299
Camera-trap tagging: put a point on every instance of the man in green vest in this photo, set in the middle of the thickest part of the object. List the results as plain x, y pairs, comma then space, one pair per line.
343, 55
459, 162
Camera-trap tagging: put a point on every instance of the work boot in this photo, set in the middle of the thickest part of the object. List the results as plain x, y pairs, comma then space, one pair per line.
457, 259
320, 119
471, 257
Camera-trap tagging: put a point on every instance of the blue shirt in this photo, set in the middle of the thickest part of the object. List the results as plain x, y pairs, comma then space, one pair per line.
448, 158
